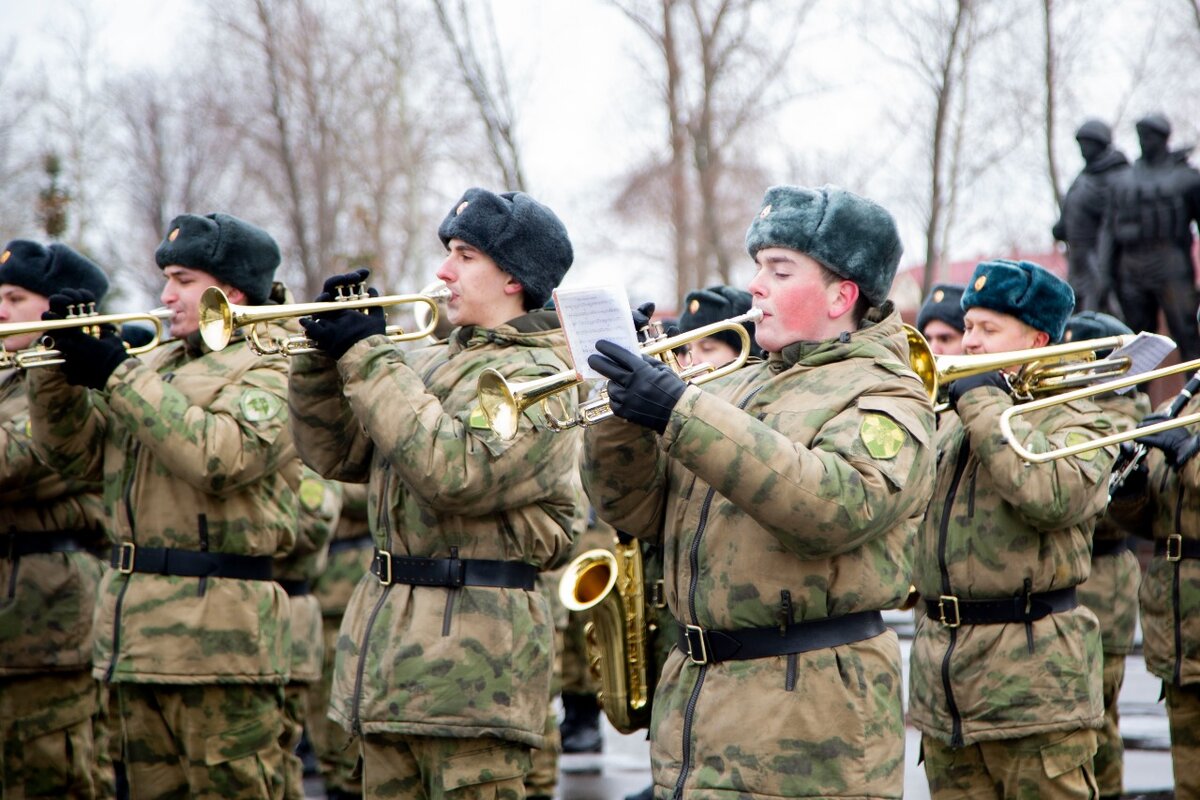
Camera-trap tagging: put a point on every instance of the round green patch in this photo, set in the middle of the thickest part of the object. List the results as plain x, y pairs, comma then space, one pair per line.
882, 437
259, 405
312, 493
1074, 438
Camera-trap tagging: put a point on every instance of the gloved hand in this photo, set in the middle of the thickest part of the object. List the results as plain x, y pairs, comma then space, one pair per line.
1134, 484
641, 318
87, 360
1177, 445
963, 385
640, 389
335, 332
346, 281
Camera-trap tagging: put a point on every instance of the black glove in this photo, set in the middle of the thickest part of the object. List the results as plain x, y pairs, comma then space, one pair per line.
963, 385
641, 318
1177, 445
335, 332
640, 389
346, 282
1134, 484
87, 360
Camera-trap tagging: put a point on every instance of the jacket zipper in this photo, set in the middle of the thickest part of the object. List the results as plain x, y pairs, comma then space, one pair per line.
116, 642
694, 563
355, 719
964, 453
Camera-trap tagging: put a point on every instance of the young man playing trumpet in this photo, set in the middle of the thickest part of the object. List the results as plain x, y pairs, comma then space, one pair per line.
49, 526
786, 494
198, 466
444, 658
1006, 665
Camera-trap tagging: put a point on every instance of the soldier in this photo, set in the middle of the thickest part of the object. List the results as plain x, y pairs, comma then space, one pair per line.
50, 527
1005, 676
349, 559
444, 658
1145, 245
1083, 212
940, 319
786, 494
1112, 587
197, 461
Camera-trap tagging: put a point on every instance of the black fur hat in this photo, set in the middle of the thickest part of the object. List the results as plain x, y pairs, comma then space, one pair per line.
47, 270
231, 250
945, 304
714, 304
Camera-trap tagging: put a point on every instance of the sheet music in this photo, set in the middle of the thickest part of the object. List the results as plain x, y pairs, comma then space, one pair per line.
590, 314
1145, 353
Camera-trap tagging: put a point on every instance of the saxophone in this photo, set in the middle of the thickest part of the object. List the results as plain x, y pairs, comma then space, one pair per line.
610, 588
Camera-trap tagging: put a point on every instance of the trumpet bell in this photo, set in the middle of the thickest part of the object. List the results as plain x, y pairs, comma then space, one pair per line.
503, 403
216, 318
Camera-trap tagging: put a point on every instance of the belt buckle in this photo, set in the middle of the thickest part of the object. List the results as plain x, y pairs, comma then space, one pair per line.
694, 635
456, 572
125, 556
946, 601
385, 567
657, 594
1174, 553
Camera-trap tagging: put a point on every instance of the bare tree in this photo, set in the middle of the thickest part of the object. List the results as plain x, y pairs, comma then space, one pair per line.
1051, 84
19, 161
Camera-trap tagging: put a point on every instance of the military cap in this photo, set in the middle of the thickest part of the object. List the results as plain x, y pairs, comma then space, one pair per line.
714, 304
525, 238
852, 236
945, 304
1096, 130
48, 270
1022, 289
1155, 122
230, 249
1094, 325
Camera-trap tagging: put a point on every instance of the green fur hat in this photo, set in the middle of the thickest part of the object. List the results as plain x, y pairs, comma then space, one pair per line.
48, 270
525, 238
714, 304
944, 304
852, 236
231, 250
1022, 289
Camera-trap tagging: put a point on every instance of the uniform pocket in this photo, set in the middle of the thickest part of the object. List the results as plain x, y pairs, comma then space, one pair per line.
492, 764
1072, 752
239, 742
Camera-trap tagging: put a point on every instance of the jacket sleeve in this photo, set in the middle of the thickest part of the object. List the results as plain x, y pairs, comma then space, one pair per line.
867, 469
624, 475
233, 442
328, 437
1059, 493
68, 424
453, 461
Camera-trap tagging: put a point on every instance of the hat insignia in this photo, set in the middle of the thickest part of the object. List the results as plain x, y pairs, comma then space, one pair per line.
693, 306
461, 207
766, 210
173, 235
938, 296
1068, 336
980, 282
4, 256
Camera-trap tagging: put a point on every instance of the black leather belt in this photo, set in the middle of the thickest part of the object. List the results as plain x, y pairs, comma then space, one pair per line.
128, 557
1109, 547
28, 543
295, 588
952, 612
1175, 547
452, 572
357, 543
712, 646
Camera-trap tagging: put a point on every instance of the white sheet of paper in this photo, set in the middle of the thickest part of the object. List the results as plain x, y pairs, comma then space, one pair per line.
1144, 353
589, 314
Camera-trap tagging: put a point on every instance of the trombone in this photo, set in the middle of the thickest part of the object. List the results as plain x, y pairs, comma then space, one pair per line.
503, 403
82, 316
219, 318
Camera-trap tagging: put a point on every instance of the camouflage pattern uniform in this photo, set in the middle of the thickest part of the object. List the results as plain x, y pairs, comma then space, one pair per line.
426, 671
195, 453
48, 697
786, 492
1019, 697
320, 506
349, 559
1170, 599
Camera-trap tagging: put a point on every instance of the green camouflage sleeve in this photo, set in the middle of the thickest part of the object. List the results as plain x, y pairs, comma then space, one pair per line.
867, 469
68, 425
20, 468
445, 459
233, 442
328, 437
1059, 493
624, 476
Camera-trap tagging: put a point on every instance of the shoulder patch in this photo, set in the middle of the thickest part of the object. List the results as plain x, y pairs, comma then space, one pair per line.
259, 405
882, 437
312, 493
1074, 438
478, 420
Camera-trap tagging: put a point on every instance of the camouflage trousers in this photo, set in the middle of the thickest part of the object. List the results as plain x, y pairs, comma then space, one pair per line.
1110, 754
202, 741
334, 748
434, 768
542, 779
1045, 766
1183, 712
295, 711
46, 727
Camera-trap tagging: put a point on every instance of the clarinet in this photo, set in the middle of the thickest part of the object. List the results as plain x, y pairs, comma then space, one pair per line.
1139, 451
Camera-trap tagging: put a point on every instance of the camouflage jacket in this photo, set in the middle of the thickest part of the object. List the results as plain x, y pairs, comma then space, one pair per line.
195, 453
1170, 592
998, 527
320, 505
426, 660
787, 491
46, 599
349, 556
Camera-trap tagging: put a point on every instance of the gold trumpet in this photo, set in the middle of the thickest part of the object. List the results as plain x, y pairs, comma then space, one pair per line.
503, 403
219, 318
82, 316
